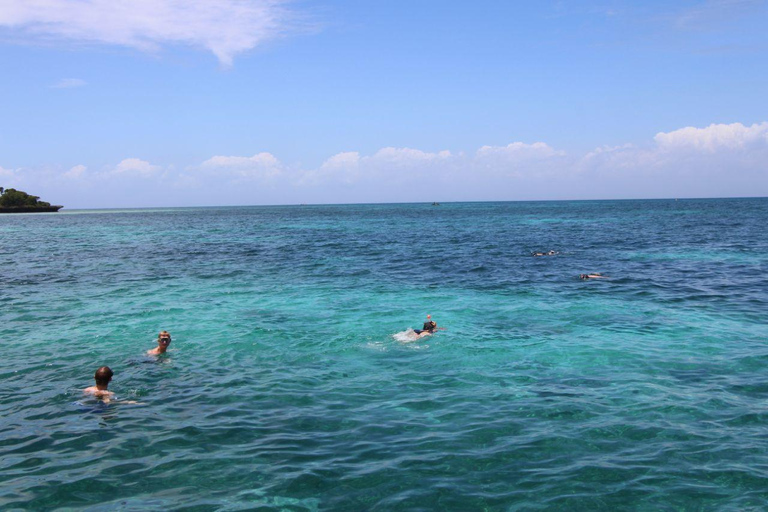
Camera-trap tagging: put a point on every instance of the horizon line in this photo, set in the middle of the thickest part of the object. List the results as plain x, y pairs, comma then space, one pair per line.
411, 202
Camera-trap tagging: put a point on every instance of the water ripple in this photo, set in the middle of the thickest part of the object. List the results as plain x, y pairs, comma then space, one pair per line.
285, 389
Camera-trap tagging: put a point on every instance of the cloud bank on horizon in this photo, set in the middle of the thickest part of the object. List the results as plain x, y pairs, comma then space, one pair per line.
223, 27
394, 102
687, 162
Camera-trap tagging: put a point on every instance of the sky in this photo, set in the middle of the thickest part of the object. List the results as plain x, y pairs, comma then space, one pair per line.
146, 103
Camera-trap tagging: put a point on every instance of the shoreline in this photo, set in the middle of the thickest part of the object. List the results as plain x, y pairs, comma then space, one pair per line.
31, 209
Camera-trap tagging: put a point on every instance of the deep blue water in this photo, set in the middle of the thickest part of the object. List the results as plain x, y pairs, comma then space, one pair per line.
291, 385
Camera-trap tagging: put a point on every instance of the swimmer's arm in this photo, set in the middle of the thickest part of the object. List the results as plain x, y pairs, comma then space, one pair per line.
129, 402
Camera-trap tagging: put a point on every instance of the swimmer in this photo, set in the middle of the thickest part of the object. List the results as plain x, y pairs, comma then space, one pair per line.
548, 253
103, 376
594, 275
429, 328
163, 340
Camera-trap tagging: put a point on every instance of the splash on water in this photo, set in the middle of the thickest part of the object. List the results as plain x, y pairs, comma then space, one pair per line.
406, 336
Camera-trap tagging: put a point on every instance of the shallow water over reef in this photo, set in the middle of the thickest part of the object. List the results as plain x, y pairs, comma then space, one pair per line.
289, 384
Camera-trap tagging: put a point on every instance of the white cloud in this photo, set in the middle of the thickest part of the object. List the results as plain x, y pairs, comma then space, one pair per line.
614, 157
68, 83
75, 172
713, 161
720, 160
346, 160
224, 27
405, 157
726, 147
715, 137
608, 149
7, 173
518, 159
340, 167
519, 151
135, 167
260, 165
389, 163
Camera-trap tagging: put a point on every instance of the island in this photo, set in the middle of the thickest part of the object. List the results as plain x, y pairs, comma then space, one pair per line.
16, 201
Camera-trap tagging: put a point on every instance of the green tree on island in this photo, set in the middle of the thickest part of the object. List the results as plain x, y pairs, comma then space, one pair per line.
12, 199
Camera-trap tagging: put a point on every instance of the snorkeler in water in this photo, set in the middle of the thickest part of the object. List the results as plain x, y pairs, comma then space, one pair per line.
594, 275
428, 328
548, 253
163, 341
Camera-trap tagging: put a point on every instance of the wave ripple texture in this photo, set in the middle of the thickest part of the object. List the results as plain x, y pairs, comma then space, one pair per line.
294, 380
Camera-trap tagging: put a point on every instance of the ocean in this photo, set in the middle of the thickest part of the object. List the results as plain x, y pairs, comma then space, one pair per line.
294, 383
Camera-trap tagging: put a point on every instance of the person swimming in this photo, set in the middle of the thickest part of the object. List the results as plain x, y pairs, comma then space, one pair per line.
428, 328
594, 275
103, 376
163, 341
548, 253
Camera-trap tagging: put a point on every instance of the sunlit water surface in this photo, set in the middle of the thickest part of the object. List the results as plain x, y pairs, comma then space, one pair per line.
290, 384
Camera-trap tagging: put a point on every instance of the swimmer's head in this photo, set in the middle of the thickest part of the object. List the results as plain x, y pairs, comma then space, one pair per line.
164, 338
103, 375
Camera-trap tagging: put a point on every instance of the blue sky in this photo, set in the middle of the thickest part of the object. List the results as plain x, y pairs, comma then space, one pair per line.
218, 102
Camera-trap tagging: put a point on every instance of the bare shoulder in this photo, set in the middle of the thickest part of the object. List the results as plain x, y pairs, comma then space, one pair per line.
99, 393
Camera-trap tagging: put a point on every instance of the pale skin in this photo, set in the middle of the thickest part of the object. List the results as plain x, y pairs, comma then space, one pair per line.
105, 395
163, 340
596, 275
103, 377
100, 391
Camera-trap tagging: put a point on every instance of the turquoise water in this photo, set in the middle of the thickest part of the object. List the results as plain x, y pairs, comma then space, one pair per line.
290, 384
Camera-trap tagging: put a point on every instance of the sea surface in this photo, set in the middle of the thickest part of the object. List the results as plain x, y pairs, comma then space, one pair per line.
293, 382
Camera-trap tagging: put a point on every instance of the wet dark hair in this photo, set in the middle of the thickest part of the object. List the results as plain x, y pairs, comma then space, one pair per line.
103, 375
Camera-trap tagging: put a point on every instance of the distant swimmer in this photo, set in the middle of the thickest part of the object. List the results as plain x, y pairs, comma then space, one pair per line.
548, 253
163, 340
595, 275
429, 328
103, 376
